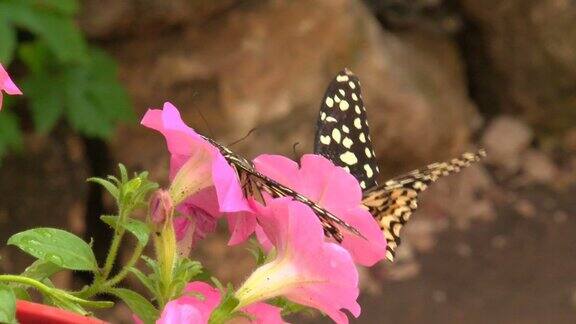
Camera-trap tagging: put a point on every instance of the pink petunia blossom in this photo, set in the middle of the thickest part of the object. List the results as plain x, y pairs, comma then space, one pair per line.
203, 185
7, 85
337, 191
200, 300
306, 270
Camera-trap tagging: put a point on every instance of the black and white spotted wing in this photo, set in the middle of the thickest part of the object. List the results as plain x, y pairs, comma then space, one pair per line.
393, 202
254, 183
342, 132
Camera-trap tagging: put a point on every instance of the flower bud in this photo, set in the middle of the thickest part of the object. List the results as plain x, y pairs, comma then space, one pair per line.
161, 207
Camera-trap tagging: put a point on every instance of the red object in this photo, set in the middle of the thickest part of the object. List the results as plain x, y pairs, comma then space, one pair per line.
32, 313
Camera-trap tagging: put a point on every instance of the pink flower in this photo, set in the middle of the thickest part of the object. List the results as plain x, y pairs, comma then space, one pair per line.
200, 300
203, 184
7, 85
337, 191
195, 306
307, 270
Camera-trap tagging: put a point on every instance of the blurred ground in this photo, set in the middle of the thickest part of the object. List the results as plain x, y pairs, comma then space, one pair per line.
494, 244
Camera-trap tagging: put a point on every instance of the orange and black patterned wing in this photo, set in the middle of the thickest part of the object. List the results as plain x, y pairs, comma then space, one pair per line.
393, 202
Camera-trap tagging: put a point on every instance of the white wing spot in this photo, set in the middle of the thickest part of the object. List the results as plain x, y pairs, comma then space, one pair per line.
322, 116
362, 137
357, 109
347, 169
352, 85
325, 139
363, 184
357, 123
331, 119
368, 169
329, 102
347, 142
344, 105
348, 158
342, 78
354, 96
377, 169
336, 99
342, 92
336, 135
368, 153
345, 129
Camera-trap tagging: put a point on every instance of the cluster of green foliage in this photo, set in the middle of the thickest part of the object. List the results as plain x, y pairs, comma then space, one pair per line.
65, 78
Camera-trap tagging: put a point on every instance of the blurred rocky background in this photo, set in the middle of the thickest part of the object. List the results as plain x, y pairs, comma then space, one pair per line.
494, 244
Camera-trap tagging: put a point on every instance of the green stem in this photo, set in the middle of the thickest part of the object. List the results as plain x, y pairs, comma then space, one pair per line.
45, 290
126, 269
113, 252
27, 281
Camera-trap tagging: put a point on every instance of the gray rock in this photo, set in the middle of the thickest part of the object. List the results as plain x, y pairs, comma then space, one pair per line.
505, 140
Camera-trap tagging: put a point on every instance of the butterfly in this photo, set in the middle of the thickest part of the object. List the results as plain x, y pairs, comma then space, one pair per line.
343, 136
254, 183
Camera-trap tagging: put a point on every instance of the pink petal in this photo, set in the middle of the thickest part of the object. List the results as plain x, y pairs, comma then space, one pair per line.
327, 184
210, 296
263, 313
369, 250
191, 308
241, 225
263, 239
334, 189
279, 168
182, 310
7, 84
317, 274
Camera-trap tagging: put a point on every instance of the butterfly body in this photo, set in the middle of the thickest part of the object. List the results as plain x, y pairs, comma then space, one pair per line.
393, 202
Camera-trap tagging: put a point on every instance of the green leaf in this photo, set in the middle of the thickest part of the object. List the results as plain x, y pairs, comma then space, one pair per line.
46, 102
64, 303
123, 173
187, 269
21, 293
57, 246
109, 186
137, 228
138, 304
145, 280
81, 112
36, 57
41, 269
59, 33
7, 41
289, 307
7, 305
226, 308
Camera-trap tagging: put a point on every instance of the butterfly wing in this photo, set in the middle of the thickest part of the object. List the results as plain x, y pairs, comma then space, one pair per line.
342, 132
393, 202
254, 183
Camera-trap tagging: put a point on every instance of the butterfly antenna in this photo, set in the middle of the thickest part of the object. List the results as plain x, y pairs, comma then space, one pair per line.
243, 138
205, 123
